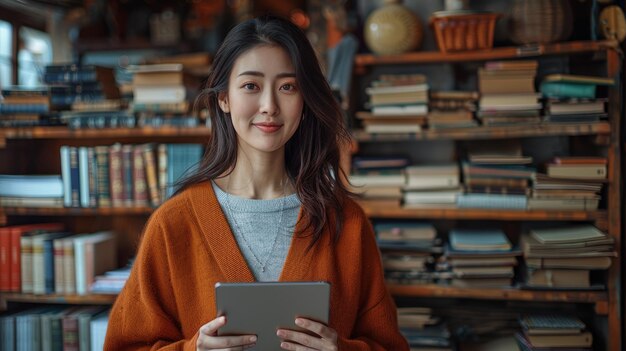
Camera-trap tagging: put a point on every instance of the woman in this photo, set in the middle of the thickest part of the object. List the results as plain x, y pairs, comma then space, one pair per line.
266, 205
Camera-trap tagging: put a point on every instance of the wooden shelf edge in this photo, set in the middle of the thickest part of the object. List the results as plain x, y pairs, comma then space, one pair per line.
92, 299
63, 211
65, 132
438, 291
363, 60
500, 132
477, 213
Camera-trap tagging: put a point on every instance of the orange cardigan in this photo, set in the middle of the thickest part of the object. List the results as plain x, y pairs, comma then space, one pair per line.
187, 247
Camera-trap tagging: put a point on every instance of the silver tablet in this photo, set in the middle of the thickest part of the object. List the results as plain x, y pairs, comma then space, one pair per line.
261, 308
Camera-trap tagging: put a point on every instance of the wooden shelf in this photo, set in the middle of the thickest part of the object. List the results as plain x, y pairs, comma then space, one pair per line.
126, 45
62, 299
361, 61
499, 132
439, 291
373, 211
63, 211
65, 132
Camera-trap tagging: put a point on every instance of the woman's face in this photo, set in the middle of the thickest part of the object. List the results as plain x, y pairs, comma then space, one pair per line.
263, 99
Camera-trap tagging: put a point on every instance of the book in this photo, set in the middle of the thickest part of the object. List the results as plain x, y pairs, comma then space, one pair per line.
570, 234
566, 89
542, 324
578, 79
584, 339
479, 240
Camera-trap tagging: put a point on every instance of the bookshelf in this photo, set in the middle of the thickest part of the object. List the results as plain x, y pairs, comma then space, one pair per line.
605, 135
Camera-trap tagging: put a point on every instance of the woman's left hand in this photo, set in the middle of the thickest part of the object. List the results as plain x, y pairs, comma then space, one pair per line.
325, 338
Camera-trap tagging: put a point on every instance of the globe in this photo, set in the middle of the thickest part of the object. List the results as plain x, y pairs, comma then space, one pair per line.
393, 29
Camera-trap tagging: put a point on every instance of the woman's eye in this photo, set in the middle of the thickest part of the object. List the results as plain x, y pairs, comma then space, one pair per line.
288, 87
249, 86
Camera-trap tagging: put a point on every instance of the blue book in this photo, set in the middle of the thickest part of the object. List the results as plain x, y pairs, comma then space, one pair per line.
479, 240
492, 201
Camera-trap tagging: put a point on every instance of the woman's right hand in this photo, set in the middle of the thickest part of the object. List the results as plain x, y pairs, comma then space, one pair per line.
208, 339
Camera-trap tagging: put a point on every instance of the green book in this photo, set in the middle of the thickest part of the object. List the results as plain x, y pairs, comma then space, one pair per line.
568, 90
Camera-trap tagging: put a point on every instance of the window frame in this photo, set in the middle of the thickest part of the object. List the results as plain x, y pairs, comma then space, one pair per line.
18, 20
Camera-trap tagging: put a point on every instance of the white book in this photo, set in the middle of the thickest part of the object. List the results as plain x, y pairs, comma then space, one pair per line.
83, 259
83, 175
416, 110
159, 94
66, 176
444, 181
393, 128
397, 89
98, 329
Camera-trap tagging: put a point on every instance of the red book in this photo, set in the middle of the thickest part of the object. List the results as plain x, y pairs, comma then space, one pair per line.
5, 268
15, 265
580, 160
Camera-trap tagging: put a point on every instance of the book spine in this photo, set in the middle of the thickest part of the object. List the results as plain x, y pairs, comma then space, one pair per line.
102, 177
49, 267
83, 175
68, 267
140, 188
92, 171
5, 259
127, 175
568, 90
74, 177
70, 333
26, 245
59, 277
66, 176
39, 286
163, 171
115, 175
16, 261
151, 175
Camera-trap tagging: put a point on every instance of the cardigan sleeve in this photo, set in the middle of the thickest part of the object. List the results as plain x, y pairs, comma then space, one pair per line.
144, 314
376, 326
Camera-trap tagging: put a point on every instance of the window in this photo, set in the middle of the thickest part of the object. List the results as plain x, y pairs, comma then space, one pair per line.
35, 52
6, 43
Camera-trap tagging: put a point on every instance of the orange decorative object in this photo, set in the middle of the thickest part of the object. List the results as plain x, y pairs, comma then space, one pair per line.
463, 30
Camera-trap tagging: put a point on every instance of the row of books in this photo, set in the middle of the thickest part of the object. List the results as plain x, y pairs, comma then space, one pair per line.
45, 259
105, 176
124, 175
506, 95
562, 257
55, 328
493, 180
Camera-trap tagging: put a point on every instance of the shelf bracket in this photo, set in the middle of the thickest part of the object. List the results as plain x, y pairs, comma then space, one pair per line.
602, 308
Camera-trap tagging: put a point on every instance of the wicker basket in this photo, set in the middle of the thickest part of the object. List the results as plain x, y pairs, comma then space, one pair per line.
463, 30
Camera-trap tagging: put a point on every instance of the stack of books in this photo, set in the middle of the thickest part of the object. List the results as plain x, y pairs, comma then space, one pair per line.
111, 282
496, 177
508, 94
31, 190
98, 114
570, 183
572, 98
71, 83
424, 331
20, 106
407, 250
553, 332
452, 109
379, 180
479, 258
432, 186
564, 257
399, 104
160, 95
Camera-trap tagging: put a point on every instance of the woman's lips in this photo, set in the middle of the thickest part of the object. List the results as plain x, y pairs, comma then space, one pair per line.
268, 127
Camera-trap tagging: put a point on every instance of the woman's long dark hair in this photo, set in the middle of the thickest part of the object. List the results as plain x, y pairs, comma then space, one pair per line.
312, 154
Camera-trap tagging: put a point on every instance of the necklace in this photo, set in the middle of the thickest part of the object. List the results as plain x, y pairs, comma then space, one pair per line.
259, 263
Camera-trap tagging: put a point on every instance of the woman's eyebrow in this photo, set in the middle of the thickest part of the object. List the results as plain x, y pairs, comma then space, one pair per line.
260, 74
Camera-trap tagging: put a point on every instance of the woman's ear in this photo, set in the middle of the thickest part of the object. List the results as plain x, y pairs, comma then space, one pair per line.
222, 100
